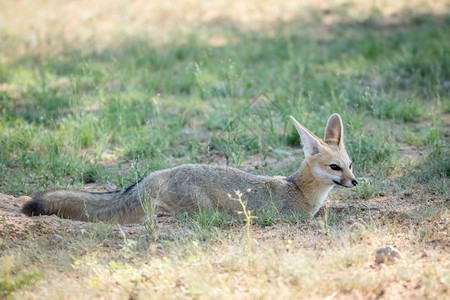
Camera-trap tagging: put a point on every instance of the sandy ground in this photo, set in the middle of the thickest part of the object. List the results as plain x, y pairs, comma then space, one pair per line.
16, 226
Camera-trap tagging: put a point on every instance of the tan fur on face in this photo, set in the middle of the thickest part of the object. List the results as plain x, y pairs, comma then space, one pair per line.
332, 155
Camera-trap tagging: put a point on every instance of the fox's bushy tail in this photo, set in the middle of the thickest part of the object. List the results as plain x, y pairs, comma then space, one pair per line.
114, 207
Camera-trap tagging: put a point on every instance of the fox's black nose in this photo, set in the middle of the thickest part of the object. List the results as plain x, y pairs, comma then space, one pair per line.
355, 182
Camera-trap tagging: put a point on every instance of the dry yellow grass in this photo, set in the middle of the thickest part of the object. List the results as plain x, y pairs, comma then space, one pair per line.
307, 260
52, 26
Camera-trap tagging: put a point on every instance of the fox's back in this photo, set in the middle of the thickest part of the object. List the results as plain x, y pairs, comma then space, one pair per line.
188, 187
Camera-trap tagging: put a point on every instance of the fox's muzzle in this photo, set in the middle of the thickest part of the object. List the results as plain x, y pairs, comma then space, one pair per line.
348, 184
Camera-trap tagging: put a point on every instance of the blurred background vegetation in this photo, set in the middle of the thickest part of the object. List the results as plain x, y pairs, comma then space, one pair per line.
107, 91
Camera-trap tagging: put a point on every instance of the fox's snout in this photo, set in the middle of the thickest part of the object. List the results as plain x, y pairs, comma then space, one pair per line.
347, 183
351, 183
350, 179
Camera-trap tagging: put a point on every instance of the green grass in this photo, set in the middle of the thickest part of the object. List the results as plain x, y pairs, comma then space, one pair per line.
98, 111
9, 285
155, 103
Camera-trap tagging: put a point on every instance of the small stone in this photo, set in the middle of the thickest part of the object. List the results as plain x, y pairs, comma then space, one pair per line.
387, 255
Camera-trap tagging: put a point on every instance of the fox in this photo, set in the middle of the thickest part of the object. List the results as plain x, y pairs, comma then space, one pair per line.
196, 187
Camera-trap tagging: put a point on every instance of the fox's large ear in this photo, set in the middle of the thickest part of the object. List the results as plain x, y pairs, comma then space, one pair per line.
311, 145
334, 132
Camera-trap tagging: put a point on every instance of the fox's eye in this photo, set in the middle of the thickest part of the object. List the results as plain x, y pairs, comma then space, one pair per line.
335, 167
350, 166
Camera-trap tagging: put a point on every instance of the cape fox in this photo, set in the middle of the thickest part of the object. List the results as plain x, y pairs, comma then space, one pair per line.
200, 187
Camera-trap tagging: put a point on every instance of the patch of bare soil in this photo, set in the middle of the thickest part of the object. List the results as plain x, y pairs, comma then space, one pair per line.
16, 226
19, 228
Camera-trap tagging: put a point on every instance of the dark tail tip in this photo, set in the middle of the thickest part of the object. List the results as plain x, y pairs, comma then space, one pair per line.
34, 207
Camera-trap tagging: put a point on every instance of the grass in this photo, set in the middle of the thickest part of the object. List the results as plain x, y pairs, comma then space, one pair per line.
118, 90
8, 286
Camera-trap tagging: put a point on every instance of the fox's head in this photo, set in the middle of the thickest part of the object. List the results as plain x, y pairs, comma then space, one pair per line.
327, 158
